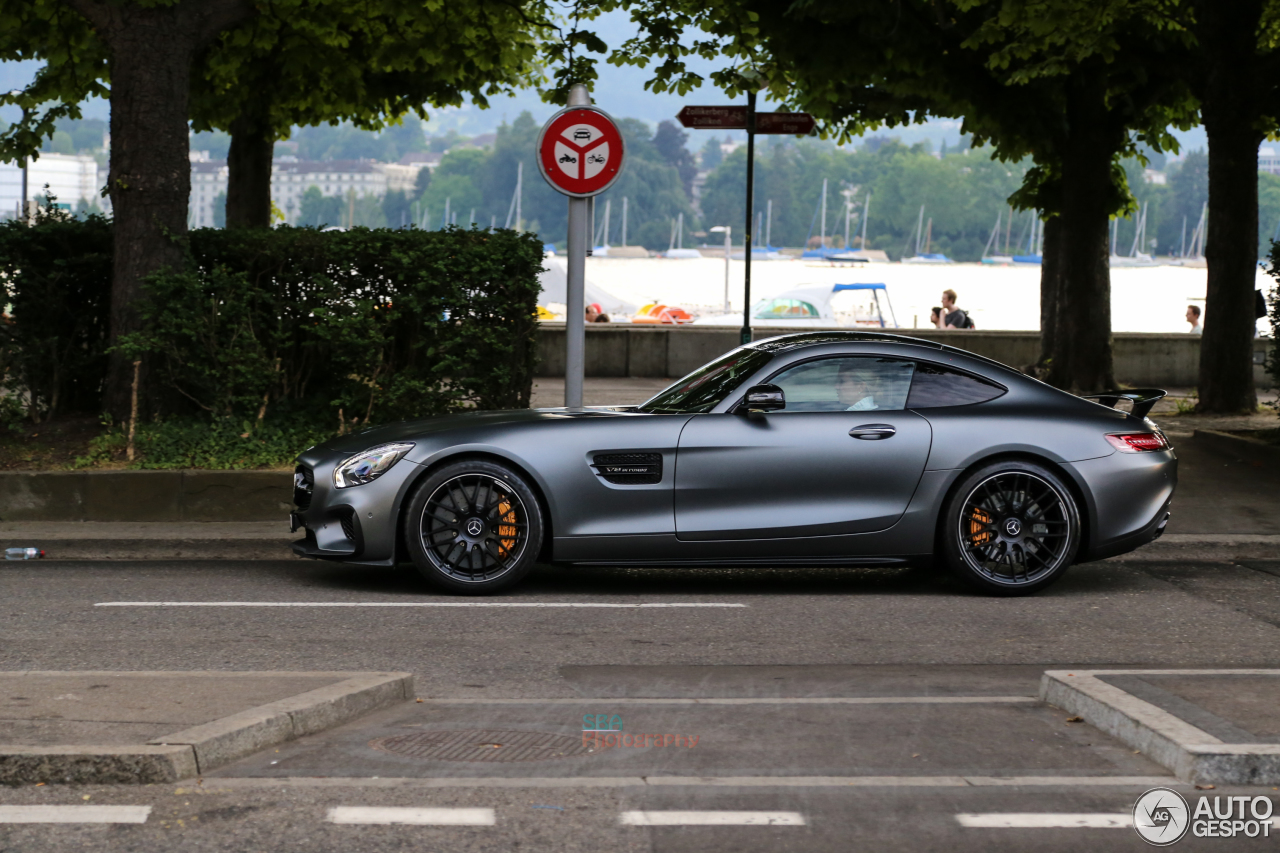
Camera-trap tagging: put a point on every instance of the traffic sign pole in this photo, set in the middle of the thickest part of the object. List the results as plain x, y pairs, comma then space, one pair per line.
575, 297
745, 337
739, 118
580, 153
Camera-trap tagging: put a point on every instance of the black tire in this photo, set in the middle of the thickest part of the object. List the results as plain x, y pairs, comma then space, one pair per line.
1010, 528
473, 527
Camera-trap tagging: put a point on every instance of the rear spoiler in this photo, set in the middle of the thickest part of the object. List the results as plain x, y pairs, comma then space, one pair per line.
1142, 398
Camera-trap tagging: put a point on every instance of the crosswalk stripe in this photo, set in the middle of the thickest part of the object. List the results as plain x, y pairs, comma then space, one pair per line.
1045, 820
74, 814
412, 816
711, 818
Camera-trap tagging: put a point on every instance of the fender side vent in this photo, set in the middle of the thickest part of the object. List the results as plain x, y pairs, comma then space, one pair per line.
629, 469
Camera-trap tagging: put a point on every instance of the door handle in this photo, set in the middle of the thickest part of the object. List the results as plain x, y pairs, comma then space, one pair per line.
873, 432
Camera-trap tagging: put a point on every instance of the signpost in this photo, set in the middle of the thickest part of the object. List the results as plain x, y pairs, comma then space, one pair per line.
580, 153
746, 118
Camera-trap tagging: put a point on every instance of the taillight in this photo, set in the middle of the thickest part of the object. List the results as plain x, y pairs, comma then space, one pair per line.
1138, 442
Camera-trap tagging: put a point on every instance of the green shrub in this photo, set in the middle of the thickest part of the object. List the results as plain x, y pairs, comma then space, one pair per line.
1273, 314
376, 325
272, 339
56, 280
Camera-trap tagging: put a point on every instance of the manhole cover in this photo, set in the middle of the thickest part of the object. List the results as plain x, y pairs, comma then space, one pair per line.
481, 745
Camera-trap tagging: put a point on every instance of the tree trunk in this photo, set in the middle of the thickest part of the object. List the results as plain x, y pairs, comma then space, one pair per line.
1050, 292
1081, 337
151, 51
249, 175
1228, 37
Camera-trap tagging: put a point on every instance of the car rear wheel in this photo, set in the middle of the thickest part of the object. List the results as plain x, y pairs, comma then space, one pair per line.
1011, 528
474, 527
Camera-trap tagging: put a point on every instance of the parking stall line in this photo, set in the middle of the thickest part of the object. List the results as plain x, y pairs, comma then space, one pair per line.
400, 782
1038, 820
800, 700
74, 814
710, 818
480, 604
388, 816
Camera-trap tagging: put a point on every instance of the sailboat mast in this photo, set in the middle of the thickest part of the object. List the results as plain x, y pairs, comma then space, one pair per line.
768, 223
919, 229
866, 214
822, 232
624, 220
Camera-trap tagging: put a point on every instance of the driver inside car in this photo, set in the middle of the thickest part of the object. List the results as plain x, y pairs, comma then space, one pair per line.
856, 387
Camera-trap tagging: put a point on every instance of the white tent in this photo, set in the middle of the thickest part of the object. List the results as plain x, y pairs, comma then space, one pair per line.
555, 289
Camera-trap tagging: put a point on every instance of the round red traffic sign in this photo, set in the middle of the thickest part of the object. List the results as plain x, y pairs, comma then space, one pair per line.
580, 151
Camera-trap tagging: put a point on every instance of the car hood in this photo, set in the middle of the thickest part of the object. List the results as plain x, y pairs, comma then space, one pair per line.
434, 428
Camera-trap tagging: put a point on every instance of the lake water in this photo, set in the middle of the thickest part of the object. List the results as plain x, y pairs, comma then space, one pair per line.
1143, 299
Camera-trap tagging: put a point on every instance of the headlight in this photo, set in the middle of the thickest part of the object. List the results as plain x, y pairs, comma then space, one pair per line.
370, 465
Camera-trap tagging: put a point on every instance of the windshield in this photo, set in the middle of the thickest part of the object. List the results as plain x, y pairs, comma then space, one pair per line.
707, 386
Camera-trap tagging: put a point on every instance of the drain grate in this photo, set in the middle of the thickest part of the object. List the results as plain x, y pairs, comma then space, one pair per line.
483, 745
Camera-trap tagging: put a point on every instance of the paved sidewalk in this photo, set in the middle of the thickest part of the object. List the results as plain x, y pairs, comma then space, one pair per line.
145, 727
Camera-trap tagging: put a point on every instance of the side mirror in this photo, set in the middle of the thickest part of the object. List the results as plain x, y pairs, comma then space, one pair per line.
764, 398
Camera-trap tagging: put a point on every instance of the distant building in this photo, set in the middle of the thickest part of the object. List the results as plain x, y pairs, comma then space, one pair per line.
72, 179
291, 178
1154, 176
1268, 161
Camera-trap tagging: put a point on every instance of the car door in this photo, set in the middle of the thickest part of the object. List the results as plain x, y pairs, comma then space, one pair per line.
842, 457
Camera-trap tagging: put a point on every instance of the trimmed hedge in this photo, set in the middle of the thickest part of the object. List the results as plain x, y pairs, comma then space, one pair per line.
56, 277
349, 327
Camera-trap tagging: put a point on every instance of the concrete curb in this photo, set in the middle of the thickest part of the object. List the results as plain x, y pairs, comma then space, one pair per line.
1239, 445
1193, 755
96, 765
163, 549
1208, 546
199, 749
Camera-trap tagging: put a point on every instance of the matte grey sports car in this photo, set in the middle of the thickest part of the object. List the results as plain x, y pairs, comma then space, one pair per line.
826, 448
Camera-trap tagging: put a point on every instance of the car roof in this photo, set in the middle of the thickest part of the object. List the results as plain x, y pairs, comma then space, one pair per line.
785, 343
800, 340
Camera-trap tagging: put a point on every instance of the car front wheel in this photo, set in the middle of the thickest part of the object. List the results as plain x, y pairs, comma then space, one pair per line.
1011, 528
473, 527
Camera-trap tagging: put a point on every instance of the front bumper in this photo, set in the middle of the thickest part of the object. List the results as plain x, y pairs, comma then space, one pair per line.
357, 524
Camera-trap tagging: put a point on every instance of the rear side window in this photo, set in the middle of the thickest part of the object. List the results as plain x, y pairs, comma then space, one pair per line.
933, 387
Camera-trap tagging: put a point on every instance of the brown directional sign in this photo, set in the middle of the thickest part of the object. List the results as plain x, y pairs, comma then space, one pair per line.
714, 118
797, 123
735, 118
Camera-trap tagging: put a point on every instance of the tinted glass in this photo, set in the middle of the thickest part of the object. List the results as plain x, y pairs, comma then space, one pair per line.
701, 390
853, 384
935, 386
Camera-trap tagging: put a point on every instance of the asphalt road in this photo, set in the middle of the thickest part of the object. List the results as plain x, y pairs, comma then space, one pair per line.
810, 634
833, 709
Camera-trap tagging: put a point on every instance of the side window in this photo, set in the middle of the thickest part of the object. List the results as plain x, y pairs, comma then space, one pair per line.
858, 384
934, 386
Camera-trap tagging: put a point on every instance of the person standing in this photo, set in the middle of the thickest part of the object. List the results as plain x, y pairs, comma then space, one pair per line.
951, 316
1193, 317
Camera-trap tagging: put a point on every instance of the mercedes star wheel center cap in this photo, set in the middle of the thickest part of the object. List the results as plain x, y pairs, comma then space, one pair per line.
475, 527
1013, 527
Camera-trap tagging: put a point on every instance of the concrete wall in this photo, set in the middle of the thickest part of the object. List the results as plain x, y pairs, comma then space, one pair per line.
1160, 360
146, 496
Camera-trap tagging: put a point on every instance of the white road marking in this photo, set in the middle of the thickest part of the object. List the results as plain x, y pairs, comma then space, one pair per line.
406, 604
74, 814
1045, 820
239, 783
718, 818
411, 816
800, 700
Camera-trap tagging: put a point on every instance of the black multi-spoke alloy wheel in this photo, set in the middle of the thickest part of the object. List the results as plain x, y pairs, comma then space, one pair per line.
1011, 528
473, 527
